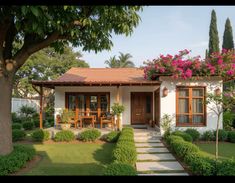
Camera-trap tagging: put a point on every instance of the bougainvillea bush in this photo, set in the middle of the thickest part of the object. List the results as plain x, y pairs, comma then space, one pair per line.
183, 67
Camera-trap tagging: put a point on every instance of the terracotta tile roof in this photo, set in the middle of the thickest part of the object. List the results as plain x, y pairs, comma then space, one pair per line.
100, 76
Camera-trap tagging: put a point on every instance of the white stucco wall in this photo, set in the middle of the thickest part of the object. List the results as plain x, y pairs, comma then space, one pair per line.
168, 103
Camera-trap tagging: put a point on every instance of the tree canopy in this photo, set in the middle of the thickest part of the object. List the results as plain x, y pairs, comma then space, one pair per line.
228, 36
123, 61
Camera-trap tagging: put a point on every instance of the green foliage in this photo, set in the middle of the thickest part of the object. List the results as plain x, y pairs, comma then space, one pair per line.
67, 115
184, 135
27, 111
122, 61
18, 135
119, 169
166, 125
16, 126
226, 168
231, 136
90, 135
112, 136
28, 125
16, 159
228, 118
228, 36
213, 34
222, 135
193, 133
40, 135
117, 109
208, 135
171, 138
125, 151
200, 164
15, 118
64, 135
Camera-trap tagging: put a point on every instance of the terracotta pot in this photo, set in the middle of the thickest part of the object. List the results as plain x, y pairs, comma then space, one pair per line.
65, 126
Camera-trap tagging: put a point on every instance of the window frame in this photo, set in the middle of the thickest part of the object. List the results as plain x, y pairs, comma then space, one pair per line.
190, 113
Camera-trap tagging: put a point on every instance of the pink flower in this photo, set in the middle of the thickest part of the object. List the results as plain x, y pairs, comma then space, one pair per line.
188, 73
230, 72
220, 61
162, 70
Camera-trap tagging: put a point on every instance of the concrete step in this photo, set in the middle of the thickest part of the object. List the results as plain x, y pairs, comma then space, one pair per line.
155, 157
147, 141
159, 166
149, 144
164, 174
152, 150
147, 138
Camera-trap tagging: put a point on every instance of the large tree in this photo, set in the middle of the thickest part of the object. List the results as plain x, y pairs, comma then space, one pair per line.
213, 34
44, 65
123, 61
33, 28
228, 36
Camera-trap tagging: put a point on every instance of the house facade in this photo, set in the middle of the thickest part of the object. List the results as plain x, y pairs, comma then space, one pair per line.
92, 91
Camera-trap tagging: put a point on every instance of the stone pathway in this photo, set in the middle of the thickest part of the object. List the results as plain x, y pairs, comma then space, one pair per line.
153, 158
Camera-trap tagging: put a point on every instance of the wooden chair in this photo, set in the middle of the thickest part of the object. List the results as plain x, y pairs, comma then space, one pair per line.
58, 120
107, 120
71, 121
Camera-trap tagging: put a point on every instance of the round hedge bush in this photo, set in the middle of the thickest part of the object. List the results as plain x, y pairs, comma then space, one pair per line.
40, 135
118, 169
112, 136
208, 136
90, 135
125, 154
193, 133
222, 136
184, 135
18, 135
64, 135
231, 136
28, 125
16, 126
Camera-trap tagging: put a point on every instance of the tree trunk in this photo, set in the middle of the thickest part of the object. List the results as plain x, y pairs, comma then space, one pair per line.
5, 115
217, 139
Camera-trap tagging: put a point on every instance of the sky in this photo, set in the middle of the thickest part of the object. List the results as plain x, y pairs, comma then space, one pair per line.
163, 30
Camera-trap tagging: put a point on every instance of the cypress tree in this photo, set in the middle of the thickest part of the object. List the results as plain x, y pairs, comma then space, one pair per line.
228, 36
206, 55
213, 35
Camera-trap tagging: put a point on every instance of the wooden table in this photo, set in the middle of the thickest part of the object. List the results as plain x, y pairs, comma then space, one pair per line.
87, 117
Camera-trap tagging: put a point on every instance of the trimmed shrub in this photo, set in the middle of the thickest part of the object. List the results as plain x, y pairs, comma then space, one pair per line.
16, 159
184, 135
90, 135
125, 154
112, 136
228, 118
200, 164
208, 136
28, 125
64, 135
171, 138
226, 168
193, 133
40, 135
16, 126
116, 169
231, 136
222, 136
18, 135
15, 118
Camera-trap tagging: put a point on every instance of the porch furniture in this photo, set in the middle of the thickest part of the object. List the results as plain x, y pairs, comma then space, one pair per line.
91, 118
107, 119
71, 121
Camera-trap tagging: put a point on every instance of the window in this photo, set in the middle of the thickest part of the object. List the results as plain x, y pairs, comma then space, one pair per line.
190, 109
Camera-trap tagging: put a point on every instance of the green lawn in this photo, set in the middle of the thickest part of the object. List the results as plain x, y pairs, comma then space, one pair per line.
72, 159
226, 150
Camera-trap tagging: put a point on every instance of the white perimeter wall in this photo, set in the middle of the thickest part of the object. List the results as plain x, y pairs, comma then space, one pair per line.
17, 103
168, 103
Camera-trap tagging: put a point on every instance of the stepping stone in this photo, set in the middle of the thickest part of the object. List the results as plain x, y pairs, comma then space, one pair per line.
149, 144
165, 174
146, 138
158, 166
151, 150
156, 157
147, 141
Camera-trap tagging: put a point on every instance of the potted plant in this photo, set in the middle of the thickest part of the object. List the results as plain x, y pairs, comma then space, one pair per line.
65, 118
118, 110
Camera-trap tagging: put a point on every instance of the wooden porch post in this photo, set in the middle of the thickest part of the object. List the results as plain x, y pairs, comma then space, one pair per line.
119, 123
41, 106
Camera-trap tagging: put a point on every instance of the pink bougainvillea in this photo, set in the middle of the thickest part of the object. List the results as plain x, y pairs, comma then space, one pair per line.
177, 66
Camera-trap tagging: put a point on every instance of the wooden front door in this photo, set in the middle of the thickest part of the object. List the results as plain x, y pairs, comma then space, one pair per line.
141, 107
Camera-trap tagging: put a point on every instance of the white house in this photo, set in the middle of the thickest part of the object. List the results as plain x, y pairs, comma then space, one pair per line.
95, 90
